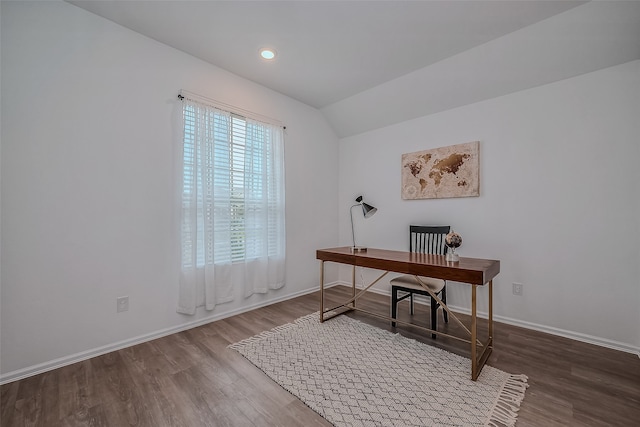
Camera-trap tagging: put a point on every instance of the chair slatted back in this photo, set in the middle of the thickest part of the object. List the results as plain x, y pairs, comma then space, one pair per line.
428, 239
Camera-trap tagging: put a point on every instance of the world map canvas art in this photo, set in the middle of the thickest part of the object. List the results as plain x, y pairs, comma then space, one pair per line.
444, 172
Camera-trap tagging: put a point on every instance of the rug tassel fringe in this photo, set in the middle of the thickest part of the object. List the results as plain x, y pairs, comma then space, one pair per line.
266, 334
505, 411
306, 318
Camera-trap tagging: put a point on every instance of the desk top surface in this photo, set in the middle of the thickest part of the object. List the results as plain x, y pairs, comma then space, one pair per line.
468, 270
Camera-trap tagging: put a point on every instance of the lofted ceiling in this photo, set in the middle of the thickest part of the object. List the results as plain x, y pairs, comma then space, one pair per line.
331, 54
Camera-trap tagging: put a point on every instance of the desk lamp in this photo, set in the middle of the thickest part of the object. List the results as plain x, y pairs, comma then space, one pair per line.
367, 211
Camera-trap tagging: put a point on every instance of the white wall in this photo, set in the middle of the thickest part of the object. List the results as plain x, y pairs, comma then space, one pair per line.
87, 184
559, 203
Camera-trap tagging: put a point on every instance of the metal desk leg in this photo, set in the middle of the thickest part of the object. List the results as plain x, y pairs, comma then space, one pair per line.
491, 311
353, 285
474, 335
321, 291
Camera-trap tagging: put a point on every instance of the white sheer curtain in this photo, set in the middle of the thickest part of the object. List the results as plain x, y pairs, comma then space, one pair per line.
232, 224
264, 208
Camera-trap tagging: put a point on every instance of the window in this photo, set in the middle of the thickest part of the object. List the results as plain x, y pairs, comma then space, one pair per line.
232, 191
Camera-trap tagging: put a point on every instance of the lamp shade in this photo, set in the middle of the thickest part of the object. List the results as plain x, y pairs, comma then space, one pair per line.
368, 210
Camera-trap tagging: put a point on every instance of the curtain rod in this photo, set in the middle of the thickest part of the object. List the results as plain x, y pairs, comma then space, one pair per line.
184, 94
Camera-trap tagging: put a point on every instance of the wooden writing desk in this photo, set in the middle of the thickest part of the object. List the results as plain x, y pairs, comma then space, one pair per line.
473, 271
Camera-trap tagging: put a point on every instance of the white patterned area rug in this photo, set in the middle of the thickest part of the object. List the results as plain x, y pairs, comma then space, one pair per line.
354, 374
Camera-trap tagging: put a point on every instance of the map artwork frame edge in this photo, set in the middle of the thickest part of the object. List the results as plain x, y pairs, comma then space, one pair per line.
440, 173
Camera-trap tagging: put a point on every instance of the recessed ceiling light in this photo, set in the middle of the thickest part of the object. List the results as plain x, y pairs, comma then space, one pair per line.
267, 53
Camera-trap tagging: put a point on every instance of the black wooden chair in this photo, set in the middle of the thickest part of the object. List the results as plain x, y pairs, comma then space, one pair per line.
428, 240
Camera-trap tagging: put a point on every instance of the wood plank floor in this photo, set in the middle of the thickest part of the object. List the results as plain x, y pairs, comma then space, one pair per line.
192, 379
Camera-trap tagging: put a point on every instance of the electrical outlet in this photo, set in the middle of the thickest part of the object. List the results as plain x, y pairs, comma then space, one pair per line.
517, 289
123, 304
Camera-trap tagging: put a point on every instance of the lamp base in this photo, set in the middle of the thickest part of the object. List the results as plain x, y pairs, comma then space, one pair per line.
355, 249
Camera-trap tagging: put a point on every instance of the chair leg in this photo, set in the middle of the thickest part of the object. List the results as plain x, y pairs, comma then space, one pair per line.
411, 297
443, 296
434, 316
394, 305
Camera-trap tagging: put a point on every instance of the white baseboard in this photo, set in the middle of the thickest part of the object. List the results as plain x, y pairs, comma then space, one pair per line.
78, 357
577, 336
